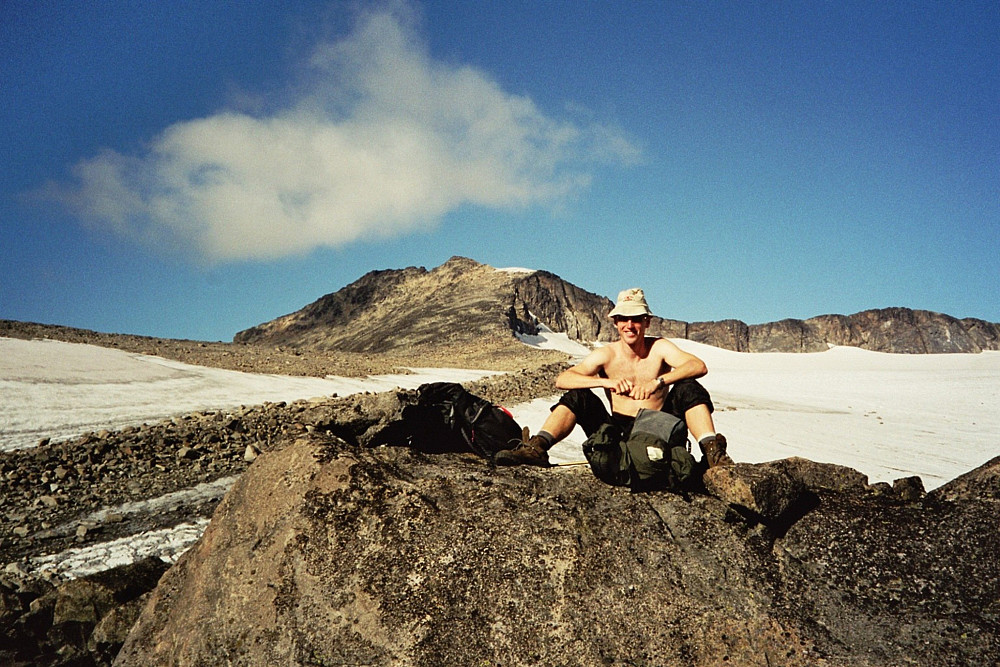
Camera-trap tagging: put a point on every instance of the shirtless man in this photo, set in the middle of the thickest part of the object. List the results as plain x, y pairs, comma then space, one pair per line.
635, 372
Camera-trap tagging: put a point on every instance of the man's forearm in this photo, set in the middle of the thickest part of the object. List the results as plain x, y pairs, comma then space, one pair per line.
694, 368
570, 379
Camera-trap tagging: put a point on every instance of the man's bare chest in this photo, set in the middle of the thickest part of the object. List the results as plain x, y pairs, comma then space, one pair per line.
636, 370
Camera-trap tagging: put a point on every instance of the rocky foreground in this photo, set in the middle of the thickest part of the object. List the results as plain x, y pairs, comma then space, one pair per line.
51, 492
328, 551
53, 495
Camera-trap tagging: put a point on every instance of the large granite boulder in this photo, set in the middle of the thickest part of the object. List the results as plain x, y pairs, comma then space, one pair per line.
325, 553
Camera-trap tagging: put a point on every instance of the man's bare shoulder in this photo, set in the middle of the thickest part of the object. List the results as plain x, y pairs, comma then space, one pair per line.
602, 355
666, 350
656, 344
596, 360
671, 353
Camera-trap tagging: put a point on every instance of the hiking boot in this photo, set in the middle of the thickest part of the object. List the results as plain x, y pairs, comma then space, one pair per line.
530, 453
714, 449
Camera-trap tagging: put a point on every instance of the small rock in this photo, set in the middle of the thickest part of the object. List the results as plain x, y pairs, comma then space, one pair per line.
881, 489
909, 488
16, 569
81, 601
767, 490
187, 453
826, 476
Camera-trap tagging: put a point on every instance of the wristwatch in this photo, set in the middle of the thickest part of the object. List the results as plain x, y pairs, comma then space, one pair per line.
659, 381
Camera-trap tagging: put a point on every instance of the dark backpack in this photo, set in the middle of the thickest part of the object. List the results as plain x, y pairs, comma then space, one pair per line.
654, 454
446, 417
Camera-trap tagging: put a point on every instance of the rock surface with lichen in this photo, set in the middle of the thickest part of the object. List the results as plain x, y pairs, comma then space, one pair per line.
330, 553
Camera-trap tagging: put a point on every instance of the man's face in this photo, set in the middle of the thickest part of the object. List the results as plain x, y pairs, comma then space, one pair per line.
631, 328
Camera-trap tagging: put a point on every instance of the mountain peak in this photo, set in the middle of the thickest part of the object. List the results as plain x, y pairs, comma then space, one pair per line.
464, 307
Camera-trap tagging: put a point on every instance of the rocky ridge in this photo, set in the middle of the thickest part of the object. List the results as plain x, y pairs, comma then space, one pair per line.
467, 303
456, 312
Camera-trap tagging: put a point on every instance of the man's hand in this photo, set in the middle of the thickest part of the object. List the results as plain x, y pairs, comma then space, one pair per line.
638, 392
623, 387
645, 390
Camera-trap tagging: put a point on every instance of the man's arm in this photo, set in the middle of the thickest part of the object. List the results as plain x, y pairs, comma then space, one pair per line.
587, 374
683, 365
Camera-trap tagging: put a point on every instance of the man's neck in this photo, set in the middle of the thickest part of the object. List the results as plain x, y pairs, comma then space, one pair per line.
638, 349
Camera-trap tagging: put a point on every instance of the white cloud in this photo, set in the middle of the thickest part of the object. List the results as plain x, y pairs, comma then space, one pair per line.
381, 142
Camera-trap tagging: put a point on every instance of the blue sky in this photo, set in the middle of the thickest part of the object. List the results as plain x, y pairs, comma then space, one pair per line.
190, 169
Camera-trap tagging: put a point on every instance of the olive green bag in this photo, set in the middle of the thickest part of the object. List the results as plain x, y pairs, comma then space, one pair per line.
653, 456
605, 452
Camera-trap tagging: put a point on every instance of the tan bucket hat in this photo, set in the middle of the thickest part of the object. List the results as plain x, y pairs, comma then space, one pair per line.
631, 302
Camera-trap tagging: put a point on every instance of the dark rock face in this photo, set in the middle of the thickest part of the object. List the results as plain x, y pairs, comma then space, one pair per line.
785, 336
898, 330
911, 583
470, 303
325, 553
542, 296
727, 334
666, 328
80, 622
901, 330
984, 334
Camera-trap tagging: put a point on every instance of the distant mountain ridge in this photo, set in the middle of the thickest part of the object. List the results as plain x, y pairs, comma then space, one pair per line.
465, 302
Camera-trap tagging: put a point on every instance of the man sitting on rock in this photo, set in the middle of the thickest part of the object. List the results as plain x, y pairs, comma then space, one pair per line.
635, 372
